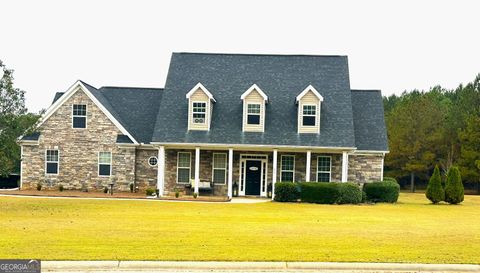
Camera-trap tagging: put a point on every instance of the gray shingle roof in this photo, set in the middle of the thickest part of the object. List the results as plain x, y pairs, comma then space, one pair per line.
32, 136
57, 96
368, 118
281, 77
135, 108
349, 118
123, 139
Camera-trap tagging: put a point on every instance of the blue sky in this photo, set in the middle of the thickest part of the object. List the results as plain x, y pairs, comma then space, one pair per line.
391, 45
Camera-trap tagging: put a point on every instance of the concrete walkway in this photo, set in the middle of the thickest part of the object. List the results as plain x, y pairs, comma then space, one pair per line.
165, 266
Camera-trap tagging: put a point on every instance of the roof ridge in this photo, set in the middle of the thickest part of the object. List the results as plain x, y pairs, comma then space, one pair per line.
132, 87
260, 54
365, 90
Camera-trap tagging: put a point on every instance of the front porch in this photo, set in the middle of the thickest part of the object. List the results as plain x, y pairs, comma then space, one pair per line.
254, 172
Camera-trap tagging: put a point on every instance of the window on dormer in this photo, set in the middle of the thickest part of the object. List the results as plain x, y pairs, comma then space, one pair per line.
253, 113
309, 115
198, 112
79, 116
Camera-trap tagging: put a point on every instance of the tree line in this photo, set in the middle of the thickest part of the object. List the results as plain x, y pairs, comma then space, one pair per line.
438, 126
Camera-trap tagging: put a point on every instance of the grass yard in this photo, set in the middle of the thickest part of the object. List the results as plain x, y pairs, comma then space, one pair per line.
410, 231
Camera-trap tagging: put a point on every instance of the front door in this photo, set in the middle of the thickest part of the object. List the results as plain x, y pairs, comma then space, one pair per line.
252, 177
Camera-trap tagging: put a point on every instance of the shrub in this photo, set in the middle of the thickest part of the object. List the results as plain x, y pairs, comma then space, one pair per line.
195, 195
391, 179
105, 190
454, 188
149, 191
349, 193
39, 186
435, 191
177, 194
60, 187
321, 192
131, 187
364, 197
286, 192
384, 191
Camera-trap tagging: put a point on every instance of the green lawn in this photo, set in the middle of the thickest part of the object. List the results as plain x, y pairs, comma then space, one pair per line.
410, 231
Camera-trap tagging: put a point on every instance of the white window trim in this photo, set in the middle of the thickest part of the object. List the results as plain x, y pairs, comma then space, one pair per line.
303, 115
205, 113
330, 172
259, 114
281, 167
225, 169
150, 159
58, 162
86, 114
98, 163
189, 168
203, 88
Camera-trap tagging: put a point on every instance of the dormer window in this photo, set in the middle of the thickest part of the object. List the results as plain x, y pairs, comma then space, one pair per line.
309, 116
253, 112
200, 107
199, 112
254, 101
309, 102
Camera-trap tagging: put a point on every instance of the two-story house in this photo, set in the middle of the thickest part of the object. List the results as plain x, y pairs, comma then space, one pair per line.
243, 119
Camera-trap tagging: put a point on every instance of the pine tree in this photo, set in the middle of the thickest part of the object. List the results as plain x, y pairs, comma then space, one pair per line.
454, 187
435, 191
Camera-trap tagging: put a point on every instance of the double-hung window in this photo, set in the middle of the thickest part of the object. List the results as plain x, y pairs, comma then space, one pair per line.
51, 161
253, 113
198, 111
183, 167
79, 116
219, 168
287, 168
104, 163
309, 115
324, 168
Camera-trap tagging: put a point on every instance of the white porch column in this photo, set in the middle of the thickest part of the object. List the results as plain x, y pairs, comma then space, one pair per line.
308, 167
274, 172
381, 171
344, 167
230, 173
197, 168
21, 167
161, 170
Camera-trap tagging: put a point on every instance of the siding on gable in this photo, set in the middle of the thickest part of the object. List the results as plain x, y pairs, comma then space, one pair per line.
254, 97
199, 96
309, 98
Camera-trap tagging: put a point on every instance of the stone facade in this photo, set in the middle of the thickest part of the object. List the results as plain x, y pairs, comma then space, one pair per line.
365, 168
145, 174
78, 151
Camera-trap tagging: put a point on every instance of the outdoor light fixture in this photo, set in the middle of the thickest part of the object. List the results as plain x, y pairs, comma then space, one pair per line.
235, 189
111, 187
269, 190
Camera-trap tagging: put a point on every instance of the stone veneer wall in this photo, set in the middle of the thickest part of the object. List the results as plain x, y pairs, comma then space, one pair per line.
78, 151
365, 168
145, 175
205, 170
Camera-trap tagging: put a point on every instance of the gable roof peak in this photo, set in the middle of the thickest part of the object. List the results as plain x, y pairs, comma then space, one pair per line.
203, 88
250, 90
312, 89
